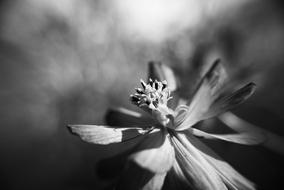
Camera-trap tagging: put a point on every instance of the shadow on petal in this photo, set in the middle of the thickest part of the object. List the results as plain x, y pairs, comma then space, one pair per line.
152, 140
112, 167
229, 175
130, 134
194, 167
175, 179
133, 177
104, 135
122, 117
156, 182
155, 153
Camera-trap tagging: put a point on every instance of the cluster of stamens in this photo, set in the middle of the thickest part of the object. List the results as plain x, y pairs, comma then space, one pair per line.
152, 95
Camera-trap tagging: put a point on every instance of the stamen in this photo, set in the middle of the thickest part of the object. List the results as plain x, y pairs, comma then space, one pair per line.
156, 85
155, 93
139, 90
154, 97
134, 98
143, 84
164, 83
150, 81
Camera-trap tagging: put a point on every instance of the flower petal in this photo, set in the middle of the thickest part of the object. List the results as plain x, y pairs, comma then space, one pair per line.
270, 140
175, 179
123, 117
133, 177
229, 175
230, 101
220, 106
195, 168
136, 178
155, 153
161, 72
206, 93
103, 135
156, 183
247, 137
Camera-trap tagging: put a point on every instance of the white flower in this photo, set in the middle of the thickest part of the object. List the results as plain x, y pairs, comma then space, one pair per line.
170, 148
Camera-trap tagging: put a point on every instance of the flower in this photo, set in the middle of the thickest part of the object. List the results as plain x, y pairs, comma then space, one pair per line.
170, 147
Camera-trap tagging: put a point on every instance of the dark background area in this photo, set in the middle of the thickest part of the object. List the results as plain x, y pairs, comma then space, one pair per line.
68, 61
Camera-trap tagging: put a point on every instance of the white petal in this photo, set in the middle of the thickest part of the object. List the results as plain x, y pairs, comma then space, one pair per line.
206, 93
127, 118
103, 135
176, 179
161, 72
230, 101
195, 168
270, 140
219, 106
248, 138
155, 153
229, 175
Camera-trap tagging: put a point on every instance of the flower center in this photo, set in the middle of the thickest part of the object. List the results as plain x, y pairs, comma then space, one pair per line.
154, 96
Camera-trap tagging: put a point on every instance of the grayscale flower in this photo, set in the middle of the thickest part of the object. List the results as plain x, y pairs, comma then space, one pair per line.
170, 151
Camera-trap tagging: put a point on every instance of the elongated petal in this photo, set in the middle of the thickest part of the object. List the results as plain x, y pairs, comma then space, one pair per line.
103, 135
218, 107
155, 153
123, 117
213, 81
206, 93
161, 72
175, 179
232, 178
271, 141
230, 101
247, 137
195, 168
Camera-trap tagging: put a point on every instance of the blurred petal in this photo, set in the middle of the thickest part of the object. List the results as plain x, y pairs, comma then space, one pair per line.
218, 107
245, 137
206, 93
230, 101
229, 175
155, 153
213, 81
161, 72
195, 168
123, 117
270, 140
104, 135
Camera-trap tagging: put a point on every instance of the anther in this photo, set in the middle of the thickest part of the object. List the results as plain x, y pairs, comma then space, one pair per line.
134, 98
139, 90
143, 84
164, 83
156, 85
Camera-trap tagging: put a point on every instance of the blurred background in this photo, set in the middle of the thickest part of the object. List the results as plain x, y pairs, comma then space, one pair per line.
67, 61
